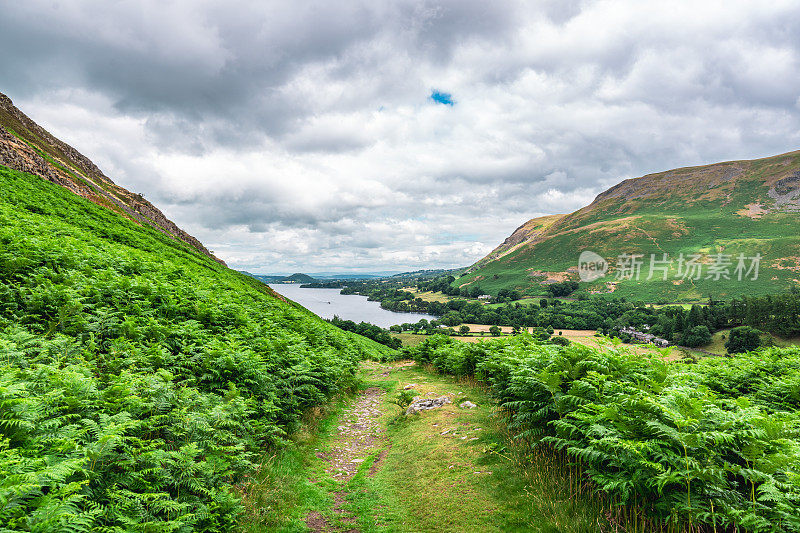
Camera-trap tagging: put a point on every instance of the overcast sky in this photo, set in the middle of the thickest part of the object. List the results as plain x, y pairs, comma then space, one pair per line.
360, 136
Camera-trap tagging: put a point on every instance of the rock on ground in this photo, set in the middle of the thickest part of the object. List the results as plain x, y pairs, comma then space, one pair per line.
424, 404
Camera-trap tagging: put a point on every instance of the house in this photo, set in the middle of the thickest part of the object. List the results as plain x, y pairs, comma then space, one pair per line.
485, 297
644, 337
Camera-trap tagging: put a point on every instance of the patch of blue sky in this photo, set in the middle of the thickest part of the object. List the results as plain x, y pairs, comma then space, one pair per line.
442, 98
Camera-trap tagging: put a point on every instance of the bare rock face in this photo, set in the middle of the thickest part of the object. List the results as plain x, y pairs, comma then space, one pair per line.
27, 147
786, 192
425, 404
17, 155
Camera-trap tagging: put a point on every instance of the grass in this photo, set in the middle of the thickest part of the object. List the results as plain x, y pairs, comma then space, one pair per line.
718, 339
698, 217
444, 470
282, 492
450, 469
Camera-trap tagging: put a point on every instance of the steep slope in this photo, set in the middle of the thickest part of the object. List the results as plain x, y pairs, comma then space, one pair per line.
523, 235
26, 146
738, 207
140, 382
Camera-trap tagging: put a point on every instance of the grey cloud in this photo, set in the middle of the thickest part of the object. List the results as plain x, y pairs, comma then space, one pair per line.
556, 101
236, 62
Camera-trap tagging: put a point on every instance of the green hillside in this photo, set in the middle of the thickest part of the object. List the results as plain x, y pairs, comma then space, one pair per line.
298, 277
140, 380
27, 147
740, 207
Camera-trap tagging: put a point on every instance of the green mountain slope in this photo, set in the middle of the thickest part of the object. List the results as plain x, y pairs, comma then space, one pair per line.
140, 381
739, 207
26, 146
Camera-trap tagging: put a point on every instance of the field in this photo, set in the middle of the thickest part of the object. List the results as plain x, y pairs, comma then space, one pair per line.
480, 333
717, 344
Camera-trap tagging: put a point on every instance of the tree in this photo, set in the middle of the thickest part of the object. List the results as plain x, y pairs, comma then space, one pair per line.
494, 331
464, 329
565, 288
561, 341
743, 339
695, 317
679, 323
697, 336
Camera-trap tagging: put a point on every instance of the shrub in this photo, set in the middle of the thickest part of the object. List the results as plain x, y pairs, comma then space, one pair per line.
743, 339
561, 341
711, 444
140, 381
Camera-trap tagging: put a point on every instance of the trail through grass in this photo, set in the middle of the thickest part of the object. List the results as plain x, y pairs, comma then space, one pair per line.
369, 469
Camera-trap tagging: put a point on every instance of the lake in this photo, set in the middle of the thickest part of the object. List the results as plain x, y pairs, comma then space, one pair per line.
328, 302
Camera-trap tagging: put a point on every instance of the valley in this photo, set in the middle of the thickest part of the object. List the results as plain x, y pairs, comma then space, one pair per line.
145, 386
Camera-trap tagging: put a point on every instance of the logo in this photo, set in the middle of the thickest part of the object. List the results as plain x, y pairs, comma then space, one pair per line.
591, 266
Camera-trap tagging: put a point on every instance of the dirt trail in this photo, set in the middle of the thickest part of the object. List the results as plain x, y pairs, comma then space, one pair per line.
443, 470
357, 438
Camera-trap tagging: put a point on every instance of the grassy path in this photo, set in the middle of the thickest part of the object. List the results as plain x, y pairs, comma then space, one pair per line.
366, 469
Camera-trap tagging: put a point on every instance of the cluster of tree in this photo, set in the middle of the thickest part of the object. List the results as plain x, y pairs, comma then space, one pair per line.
778, 314
507, 295
743, 339
564, 288
371, 331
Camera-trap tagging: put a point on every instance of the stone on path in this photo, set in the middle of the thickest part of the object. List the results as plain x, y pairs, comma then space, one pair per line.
424, 404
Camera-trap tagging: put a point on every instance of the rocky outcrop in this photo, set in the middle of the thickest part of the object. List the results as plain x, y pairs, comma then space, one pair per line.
27, 147
17, 155
786, 192
34, 133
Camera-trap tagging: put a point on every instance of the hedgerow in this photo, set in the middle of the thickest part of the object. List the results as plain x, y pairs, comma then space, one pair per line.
713, 444
139, 381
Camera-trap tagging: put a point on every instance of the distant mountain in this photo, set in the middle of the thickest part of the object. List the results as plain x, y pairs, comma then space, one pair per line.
326, 276
298, 278
429, 273
27, 147
277, 278
712, 212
